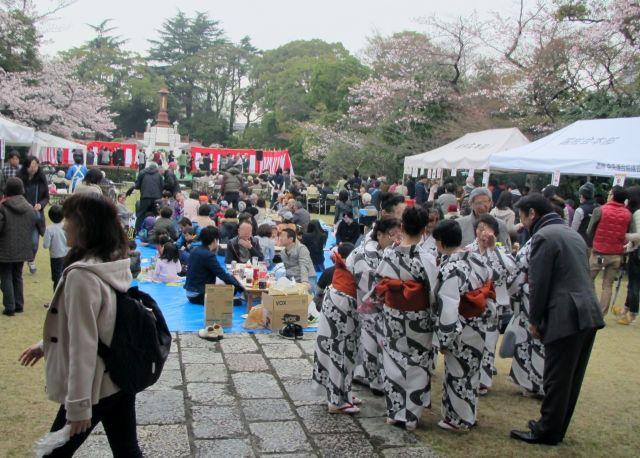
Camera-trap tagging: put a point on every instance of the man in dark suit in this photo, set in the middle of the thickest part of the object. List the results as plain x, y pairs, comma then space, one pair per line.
564, 313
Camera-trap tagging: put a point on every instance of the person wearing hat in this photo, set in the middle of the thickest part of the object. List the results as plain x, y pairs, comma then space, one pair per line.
452, 212
480, 202
582, 215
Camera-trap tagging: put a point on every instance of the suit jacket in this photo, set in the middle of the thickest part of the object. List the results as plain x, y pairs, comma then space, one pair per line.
562, 299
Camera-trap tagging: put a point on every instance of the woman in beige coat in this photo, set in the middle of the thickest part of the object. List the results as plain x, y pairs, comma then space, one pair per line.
82, 312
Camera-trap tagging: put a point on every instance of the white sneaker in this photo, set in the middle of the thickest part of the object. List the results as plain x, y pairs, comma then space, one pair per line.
32, 267
213, 332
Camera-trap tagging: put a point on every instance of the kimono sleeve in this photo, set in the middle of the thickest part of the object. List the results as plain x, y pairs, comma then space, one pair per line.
448, 325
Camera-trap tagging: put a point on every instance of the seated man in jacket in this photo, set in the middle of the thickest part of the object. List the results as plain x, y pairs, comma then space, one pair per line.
204, 267
243, 247
297, 260
164, 224
348, 230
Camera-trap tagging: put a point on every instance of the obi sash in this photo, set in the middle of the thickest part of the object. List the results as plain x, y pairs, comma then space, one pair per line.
403, 295
474, 303
343, 280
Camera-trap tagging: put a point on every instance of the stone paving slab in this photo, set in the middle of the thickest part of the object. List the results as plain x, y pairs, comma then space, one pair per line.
307, 346
381, 434
279, 437
317, 420
249, 362
157, 440
343, 445
256, 385
201, 355
160, 407
303, 392
172, 363
215, 394
191, 339
169, 380
281, 351
224, 448
96, 446
205, 373
211, 422
267, 410
238, 346
299, 369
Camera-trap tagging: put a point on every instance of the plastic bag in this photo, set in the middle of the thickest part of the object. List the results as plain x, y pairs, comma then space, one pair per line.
51, 441
256, 319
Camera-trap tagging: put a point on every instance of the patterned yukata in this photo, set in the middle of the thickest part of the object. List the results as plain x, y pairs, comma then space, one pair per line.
461, 340
503, 268
362, 263
428, 244
407, 351
336, 345
527, 365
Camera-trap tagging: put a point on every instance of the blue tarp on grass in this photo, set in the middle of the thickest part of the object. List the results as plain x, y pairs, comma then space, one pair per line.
183, 316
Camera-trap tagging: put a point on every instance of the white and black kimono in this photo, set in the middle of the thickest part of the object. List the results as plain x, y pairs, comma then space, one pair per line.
407, 351
362, 263
461, 340
336, 346
527, 366
503, 269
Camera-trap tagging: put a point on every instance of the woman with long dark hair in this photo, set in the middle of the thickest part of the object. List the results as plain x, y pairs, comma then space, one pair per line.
36, 191
82, 313
314, 239
342, 205
630, 311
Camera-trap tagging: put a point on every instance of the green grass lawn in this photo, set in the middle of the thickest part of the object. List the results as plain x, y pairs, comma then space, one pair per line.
606, 420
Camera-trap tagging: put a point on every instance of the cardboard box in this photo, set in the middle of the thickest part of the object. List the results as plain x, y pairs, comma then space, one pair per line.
218, 305
284, 308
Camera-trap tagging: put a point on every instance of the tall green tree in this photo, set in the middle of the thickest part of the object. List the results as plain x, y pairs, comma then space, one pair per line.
19, 41
178, 52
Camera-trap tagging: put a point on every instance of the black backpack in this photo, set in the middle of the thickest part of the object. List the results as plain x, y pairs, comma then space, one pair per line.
140, 344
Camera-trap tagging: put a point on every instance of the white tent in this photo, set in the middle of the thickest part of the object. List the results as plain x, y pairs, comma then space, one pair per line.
44, 140
603, 147
15, 134
471, 151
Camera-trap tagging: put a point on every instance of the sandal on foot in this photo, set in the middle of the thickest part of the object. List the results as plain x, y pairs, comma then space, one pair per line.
448, 426
356, 401
349, 409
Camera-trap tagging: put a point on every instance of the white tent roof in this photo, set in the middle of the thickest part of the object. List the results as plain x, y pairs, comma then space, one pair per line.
471, 151
15, 134
602, 147
43, 140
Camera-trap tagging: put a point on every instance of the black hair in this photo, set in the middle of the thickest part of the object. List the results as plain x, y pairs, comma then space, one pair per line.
253, 211
77, 159
414, 220
535, 201
185, 222
505, 200
264, 230
93, 176
13, 153
345, 249
488, 220
261, 203
448, 233
315, 227
356, 173
204, 210
343, 195
619, 194
14, 187
450, 188
166, 212
290, 232
549, 191
384, 225
512, 185
634, 198
166, 194
348, 213
55, 213
170, 252
194, 195
389, 200
231, 213
208, 235
99, 232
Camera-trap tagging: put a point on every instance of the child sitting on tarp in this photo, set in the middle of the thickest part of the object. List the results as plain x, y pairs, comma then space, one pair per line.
187, 242
168, 267
146, 227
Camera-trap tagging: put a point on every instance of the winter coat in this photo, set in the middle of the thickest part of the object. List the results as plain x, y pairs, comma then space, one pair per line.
171, 183
17, 221
82, 311
36, 191
231, 182
150, 183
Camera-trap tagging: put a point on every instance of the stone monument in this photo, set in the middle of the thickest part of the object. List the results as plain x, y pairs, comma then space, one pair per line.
163, 136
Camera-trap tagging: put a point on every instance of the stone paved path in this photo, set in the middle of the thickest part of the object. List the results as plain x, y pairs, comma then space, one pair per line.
250, 395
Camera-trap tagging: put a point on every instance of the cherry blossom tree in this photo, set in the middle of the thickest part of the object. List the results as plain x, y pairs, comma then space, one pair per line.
54, 100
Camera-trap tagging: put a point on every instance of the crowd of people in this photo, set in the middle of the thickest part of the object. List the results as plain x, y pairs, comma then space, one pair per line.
439, 269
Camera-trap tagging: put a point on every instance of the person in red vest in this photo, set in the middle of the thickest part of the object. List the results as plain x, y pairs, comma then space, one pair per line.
608, 226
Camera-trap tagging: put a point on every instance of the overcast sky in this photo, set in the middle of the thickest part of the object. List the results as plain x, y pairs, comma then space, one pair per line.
269, 23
